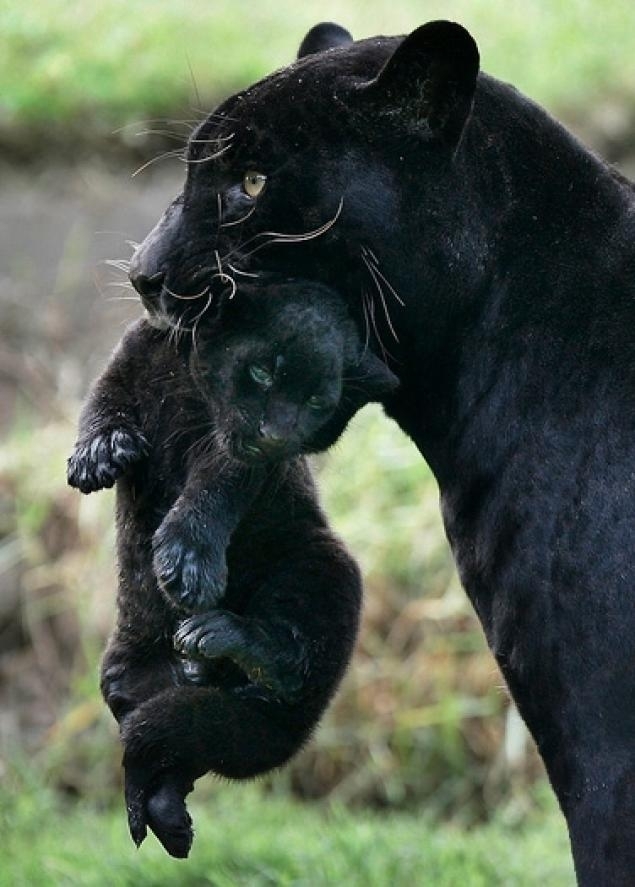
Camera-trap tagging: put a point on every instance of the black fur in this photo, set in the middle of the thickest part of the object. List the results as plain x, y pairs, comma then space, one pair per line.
510, 249
213, 499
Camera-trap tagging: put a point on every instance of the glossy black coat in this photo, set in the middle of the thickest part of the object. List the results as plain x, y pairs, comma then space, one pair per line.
511, 247
239, 543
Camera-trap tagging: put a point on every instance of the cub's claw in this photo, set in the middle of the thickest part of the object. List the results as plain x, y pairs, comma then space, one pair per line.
190, 568
98, 461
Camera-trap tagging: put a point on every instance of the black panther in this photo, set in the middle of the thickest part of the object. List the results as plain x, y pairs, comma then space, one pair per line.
494, 255
203, 434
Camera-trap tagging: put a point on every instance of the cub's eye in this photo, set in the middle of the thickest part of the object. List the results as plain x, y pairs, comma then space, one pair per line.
261, 376
253, 182
316, 403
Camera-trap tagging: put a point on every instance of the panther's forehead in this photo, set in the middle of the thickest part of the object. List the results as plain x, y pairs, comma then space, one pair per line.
309, 89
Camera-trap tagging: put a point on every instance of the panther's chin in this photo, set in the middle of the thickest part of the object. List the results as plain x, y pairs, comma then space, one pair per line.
160, 321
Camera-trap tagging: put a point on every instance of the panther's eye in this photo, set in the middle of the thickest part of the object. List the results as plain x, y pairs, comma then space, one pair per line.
254, 182
316, 403
261, 376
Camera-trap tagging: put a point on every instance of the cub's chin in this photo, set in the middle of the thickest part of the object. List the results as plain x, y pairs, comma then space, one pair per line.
256, 452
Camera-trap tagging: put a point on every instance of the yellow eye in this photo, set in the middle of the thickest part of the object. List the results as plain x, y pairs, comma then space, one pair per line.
253, 182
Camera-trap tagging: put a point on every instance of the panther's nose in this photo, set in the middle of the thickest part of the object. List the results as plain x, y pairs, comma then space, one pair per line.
147, 287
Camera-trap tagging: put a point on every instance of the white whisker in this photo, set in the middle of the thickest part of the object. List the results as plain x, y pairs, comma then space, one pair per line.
381, 296
164, 156
243, 273
213, 156
239, 221
119, 264
174, 295
213, 141
280, 237
226, 279
382, 276
196, 322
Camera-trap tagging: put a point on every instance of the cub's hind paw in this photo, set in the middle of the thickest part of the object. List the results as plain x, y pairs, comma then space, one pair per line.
97, 462
190, 568
161, 807
169, 820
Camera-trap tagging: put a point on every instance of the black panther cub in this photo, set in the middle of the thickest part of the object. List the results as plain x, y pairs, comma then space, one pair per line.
203, 435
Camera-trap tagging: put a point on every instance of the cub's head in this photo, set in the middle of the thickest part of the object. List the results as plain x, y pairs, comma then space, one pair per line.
284, 370
318, 172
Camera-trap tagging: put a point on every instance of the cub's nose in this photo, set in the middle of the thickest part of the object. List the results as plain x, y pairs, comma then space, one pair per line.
271, 439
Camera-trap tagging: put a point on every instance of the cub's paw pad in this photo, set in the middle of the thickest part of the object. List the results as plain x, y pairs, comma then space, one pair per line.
209, 636
186, 566
97, 462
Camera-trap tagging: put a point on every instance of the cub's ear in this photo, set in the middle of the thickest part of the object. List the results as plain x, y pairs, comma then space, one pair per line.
430, 78
326, 35
370, 379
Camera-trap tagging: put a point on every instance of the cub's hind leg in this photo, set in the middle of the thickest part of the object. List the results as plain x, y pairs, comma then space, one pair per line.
130, 677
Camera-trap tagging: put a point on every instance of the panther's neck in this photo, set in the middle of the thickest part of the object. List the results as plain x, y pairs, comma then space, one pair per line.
536, 260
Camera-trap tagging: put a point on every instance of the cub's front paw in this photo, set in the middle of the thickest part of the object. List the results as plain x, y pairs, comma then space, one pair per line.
213, 635
190, 565
97, 462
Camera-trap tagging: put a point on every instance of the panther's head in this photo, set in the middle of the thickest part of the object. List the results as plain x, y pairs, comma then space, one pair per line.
316, 171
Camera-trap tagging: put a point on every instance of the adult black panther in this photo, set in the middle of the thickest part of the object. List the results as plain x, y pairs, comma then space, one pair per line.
494, 254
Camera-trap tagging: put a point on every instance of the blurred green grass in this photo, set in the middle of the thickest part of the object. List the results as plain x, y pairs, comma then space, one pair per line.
118, 61
245, 838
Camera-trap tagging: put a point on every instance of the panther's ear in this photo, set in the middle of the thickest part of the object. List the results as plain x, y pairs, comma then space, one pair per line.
370, 379
430, 78
326, 35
